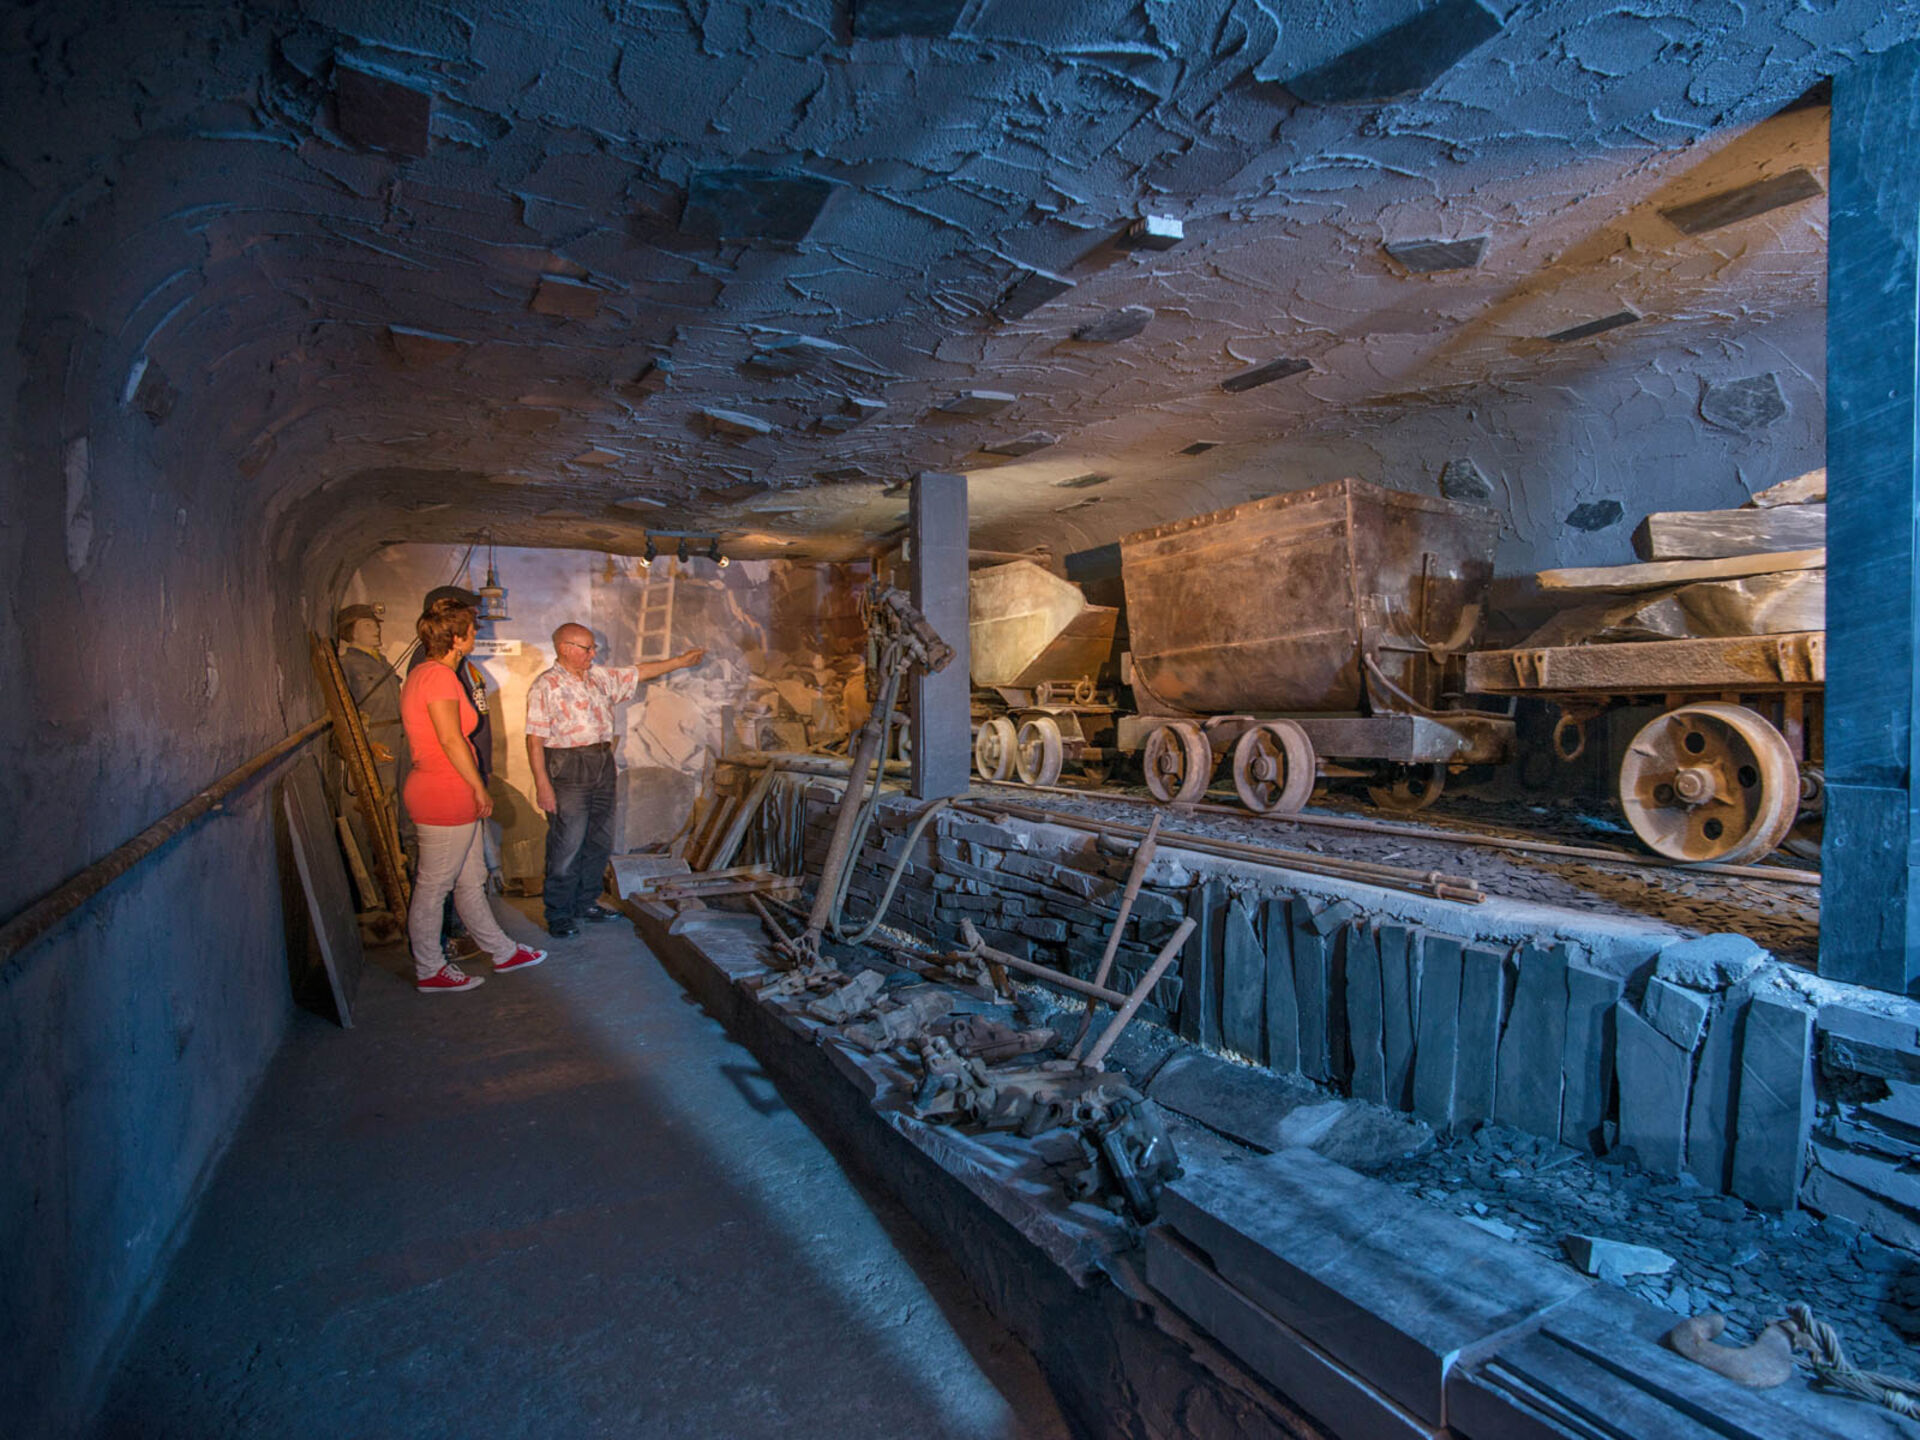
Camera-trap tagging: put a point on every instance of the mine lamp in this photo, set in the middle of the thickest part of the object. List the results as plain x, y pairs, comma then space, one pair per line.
493, 595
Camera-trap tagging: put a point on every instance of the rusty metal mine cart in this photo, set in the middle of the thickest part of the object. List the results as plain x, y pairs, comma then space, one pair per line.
1307, 634
1733, 760
1042, 663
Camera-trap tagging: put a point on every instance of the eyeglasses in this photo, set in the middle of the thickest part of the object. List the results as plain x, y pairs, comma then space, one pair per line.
586, 645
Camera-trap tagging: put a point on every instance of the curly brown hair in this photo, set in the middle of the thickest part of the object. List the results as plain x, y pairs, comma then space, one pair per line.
445, 622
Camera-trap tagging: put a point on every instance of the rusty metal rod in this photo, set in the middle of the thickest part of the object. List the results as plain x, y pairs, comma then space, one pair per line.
1136, 875
978, 949
1168, 952
1778, 873
46, 912
1441, 886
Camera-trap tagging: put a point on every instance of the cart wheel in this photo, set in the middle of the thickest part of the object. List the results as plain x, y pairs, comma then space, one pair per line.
1178, 762
1037, 751
1273, 767
1407, 788
993, 748
1710, 782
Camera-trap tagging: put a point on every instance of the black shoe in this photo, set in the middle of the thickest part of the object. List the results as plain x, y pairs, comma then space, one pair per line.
597, 913
562, 929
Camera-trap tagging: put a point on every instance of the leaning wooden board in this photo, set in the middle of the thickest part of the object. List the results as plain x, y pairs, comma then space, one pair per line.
1741, 664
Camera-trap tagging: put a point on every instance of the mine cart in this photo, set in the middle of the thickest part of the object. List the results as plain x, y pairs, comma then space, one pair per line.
1315, 633
1043, 660
1734, 758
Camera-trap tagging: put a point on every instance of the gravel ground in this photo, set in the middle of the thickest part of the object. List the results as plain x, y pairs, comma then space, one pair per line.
1783, 917
1742, 1262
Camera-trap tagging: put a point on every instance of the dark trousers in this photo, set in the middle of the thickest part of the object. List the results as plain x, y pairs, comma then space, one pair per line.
580, 830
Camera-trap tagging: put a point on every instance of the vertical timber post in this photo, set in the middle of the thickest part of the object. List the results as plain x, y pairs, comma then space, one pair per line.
1870, 902
942, 732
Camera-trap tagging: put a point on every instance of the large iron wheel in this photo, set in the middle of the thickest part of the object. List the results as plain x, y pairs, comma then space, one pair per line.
1178, 762
1273, 767
1710, 782
993, 746
1408, 788
1038, 752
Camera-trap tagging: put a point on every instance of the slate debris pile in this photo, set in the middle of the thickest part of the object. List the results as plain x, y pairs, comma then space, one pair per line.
1729, 1257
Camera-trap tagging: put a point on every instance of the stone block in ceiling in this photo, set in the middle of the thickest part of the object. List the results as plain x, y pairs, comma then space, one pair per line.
1025, 445
854, 410
381, 113
1462, 480
149, 391
977, 402
561, 295
1594, 327
1729, 207
898, 19
421, 348
1116, 325
745, 203
1030, 290
1198, 447
1264, 374
1083, 482
1746, 404
734, 423
1152, 232
651, 378
1425, 257
791, 355
1406, 53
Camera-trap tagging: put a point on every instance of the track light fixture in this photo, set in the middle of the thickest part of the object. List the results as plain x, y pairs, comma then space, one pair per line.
713, 553
651, 555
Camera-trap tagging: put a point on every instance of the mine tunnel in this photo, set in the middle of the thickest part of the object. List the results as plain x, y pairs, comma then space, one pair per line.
960, 718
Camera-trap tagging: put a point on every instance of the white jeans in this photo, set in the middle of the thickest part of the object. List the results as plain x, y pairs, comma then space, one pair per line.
452, 857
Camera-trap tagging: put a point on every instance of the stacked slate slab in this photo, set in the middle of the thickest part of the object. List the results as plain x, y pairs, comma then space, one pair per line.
1704, 1067
1390, 1288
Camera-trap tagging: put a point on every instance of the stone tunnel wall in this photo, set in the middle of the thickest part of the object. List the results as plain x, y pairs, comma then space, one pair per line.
1617, 1037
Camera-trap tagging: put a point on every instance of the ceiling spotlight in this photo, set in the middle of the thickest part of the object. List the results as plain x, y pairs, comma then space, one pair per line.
651, 555
713, 553
681, 554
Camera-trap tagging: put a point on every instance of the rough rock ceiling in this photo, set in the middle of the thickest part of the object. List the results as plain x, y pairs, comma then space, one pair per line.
568, 269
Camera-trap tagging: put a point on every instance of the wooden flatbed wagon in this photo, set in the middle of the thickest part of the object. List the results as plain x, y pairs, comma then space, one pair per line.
1734, 759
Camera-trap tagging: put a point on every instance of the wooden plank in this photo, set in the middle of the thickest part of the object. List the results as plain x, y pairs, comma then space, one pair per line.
1732, 664
1720, 534
350, 734
736, 831
1627, 579
323, 881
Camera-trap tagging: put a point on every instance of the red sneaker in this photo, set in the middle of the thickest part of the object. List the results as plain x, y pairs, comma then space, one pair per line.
448, 977
521, 959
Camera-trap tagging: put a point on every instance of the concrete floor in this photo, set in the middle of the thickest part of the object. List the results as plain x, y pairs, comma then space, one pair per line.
562, 1204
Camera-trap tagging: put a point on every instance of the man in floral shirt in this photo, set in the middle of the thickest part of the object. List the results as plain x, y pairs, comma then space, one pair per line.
570, 747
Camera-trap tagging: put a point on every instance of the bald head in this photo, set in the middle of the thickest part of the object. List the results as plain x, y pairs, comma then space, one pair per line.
573, 648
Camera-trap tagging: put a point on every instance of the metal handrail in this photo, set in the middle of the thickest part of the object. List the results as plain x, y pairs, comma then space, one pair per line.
42, 915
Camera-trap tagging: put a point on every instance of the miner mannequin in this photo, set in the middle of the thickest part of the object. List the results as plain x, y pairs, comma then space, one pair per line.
376, 690
570, 749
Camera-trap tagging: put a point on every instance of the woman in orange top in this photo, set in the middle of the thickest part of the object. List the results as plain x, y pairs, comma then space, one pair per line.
448, 802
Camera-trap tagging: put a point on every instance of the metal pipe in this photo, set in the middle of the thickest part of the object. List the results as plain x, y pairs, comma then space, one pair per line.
43, 914
979, 949
1136, 874
1115, 1026
1777, 873
1441, 886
